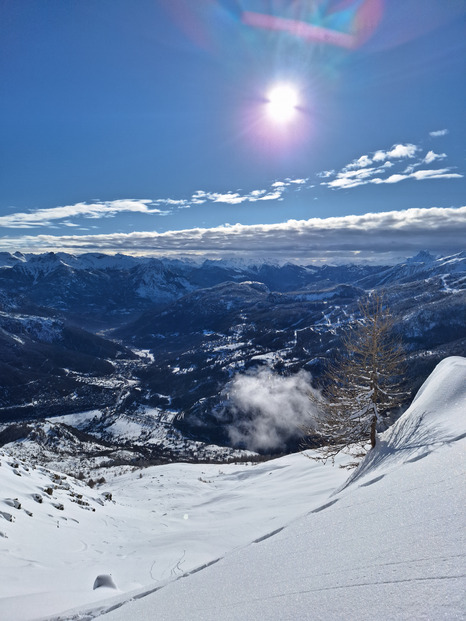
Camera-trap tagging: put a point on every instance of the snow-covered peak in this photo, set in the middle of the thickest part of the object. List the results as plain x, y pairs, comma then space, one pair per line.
240, 263
424, 256
93, 260
8, 260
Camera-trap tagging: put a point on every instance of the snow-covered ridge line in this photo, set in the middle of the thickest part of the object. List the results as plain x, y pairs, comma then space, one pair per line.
44, 262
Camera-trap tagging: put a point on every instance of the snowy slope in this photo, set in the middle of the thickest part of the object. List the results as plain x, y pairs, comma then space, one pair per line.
390, 545
162, 522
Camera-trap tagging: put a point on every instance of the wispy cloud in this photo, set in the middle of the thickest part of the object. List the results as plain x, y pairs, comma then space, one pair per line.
236, 198
441, 173
98, 209
325, 174
398, 151
431, 157
365, 236
274, 192
171, 202
361, 162
438, 132
106, 209
361, 171
348, 178
420, 175
280, 408
296, 181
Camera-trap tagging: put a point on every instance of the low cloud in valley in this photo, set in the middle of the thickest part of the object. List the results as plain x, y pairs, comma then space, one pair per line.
269, 409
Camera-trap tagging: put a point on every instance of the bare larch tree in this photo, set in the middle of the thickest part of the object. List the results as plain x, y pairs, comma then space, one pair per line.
364, 383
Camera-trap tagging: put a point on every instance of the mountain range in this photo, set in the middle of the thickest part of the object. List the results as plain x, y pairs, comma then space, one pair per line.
126, 334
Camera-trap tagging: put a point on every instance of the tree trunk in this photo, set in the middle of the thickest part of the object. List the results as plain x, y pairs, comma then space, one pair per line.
374, 431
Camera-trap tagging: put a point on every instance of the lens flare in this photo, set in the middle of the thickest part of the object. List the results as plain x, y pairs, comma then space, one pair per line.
282, 102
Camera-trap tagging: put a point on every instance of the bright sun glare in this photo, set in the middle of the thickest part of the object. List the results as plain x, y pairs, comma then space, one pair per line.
282, 101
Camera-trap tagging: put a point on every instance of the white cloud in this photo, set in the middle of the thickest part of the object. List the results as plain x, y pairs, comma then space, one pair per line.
372, 234
269, 409
441, 173
350, 178
98, 209
173, 202
439, 132
107, 209
271, 196
419, 175
297, 181
402, 151
379, 156
354, 178
431, 157
360, 172
343, 183
235, 198
229, 198
104, 209
287, 182
361, 162
398, 151
394, 178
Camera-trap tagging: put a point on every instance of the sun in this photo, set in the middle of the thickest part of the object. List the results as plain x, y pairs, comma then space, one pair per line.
282, 102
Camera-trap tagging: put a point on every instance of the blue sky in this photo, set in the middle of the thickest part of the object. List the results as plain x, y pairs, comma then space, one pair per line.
145, 127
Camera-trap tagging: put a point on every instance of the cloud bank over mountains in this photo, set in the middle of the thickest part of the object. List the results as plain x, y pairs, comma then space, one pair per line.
118, 225
372, 236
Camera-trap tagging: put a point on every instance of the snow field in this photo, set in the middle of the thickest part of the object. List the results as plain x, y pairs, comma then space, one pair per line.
163, 521
293, 538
